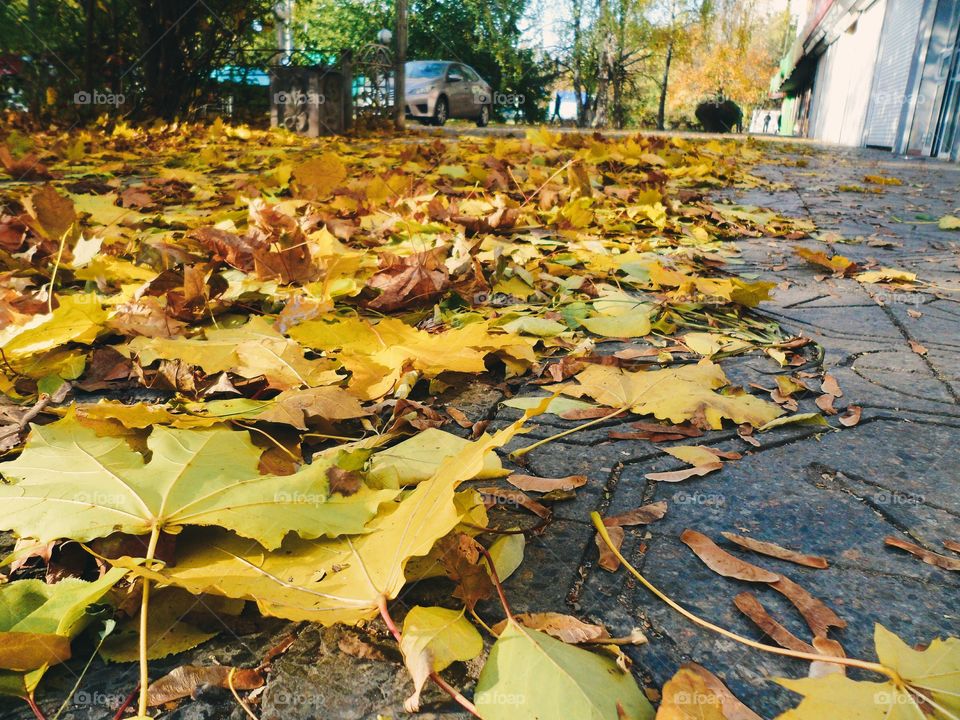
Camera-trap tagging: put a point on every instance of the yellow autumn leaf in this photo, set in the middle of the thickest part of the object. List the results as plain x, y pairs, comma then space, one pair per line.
675, 394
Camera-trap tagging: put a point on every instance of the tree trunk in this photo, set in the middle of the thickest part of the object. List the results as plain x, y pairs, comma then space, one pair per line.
399, 81
661, 109
88, 50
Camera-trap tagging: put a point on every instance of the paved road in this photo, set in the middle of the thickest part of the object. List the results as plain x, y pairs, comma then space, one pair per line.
835, 493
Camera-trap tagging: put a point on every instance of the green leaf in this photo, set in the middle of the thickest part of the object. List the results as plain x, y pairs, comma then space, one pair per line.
79, 318
507, 554
71, 483
330, 580
949, 222
629, 325
48, 613
530, 675
433, 638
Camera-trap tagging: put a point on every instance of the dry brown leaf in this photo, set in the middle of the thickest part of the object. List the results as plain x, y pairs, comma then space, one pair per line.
185, 680
917, 347
643, 515
506, 496
830, 386
952, 545
403, 281
353, 645
826, 646
678, 475
931, 558
460, 558
852, 416
768, 548
730, 705
722, 562
819, 617
543, 485
460, 417
563, 627
54, 215
825, 403
748, 604
609, 561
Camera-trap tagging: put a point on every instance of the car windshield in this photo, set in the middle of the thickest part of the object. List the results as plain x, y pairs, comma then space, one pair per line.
424, 70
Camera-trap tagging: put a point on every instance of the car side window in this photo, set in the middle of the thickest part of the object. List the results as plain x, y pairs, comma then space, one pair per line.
471, 75
455, 73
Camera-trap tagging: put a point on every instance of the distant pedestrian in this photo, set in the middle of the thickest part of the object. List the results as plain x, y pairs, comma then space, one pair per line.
556, 109
766, 123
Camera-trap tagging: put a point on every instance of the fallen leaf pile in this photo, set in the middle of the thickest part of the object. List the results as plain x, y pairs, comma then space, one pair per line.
223, 351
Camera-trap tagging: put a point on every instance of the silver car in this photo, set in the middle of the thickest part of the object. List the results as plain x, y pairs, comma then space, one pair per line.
437, 90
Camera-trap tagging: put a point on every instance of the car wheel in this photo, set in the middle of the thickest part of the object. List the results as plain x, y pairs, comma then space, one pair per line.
441, 111
484, 119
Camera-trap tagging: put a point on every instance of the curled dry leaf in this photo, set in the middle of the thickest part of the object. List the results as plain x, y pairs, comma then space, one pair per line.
460, 417
561, 626
185, 680
782, 553
748, 604
830, 386
917, 347
826, 646
685, 474
722, 562
643, 515
609, 561
819, 617
931, 558
543, 485
506, 496
825, 403
851, 417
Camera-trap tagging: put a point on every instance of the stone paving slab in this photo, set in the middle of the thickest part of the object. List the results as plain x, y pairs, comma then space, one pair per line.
835, 492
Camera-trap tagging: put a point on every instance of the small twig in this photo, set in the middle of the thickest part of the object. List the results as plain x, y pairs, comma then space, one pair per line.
237, 697
523, 451
546, 182
444, 685
42, 401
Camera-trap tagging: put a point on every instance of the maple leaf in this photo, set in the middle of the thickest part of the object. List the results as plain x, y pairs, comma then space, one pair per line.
71, 483
342, 579
403, 281
674, 394
928, 685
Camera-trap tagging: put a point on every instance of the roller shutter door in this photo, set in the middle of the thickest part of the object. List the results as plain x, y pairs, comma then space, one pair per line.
897, 45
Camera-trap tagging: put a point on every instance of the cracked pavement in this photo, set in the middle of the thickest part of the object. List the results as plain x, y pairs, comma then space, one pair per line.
835, 493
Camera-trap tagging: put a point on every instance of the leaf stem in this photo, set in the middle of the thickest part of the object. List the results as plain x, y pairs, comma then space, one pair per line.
496, 580
237, 697
444, 685
126, 703
56, 266
144, 626
38, 713
812, 657
523, 451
